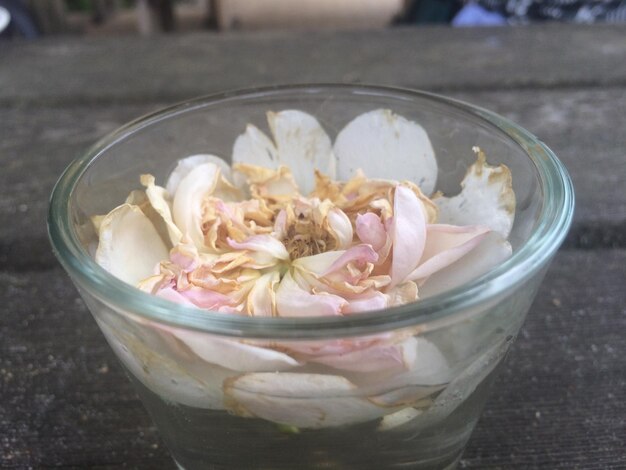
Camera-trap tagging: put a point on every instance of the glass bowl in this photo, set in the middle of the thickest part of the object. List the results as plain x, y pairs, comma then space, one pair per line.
216, 412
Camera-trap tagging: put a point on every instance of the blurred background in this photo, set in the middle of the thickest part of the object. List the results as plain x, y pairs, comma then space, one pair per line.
33, 19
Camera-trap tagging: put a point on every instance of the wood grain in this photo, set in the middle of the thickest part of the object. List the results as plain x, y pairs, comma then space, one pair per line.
433, 58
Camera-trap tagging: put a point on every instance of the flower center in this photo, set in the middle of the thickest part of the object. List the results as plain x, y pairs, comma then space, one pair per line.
306, 238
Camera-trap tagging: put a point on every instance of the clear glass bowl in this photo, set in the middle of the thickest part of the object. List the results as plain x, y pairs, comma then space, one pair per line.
418, 419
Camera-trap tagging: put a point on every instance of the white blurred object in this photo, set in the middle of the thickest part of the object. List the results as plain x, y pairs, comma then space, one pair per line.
306, 14
5, 18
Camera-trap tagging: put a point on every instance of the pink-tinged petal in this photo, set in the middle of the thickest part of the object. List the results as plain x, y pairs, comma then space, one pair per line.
341, 227
372, 301
371, 230
360, 254
492, 251
185, 255
264, 244
446, 244
169, 293
395, 358
408, 233
204, 298
293, 301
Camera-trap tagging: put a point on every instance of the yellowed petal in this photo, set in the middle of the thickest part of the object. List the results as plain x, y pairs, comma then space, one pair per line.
158, 198
261, 301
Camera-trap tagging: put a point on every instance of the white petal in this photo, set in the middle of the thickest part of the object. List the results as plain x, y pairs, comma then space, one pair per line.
487, 198
129, 246
157, 197
233, 354
197, 184
253, 147
491, 252
155, 365
385, 145
398, 418
301, 400
340, 225
303, 146
184, 167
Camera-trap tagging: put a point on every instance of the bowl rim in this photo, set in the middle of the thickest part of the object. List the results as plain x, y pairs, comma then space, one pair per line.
555, 217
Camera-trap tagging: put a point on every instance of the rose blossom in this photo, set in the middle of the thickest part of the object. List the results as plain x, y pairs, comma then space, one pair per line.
277, 235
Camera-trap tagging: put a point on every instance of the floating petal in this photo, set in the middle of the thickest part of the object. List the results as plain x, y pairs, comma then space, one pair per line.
189, 198
129, 246
293, 301
486, 198
446, 244
253, 147
386, 146
157, 197
186, 165
408, 232
491, 252
303, 146
261, 301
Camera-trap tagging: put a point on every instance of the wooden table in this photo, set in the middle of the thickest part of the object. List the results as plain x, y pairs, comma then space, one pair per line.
560, 402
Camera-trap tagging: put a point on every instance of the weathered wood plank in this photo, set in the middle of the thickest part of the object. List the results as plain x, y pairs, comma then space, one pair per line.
582, 126
560, 402
434, 58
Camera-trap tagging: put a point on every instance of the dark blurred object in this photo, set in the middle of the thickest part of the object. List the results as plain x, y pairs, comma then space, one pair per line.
49, 15
430, 11
572, 11
21, 23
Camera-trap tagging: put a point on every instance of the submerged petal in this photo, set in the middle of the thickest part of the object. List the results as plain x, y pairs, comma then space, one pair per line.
302, 145
487, 198
302, 400
390, 358
233, 354
386, 145
129, 246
